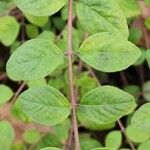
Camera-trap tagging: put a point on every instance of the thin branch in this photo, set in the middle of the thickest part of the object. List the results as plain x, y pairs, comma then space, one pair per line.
120, 124
124, 132
71, 85
21, 87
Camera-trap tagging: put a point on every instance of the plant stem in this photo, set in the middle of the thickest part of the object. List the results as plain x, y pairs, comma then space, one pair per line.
124, 132
119, 122
71, 86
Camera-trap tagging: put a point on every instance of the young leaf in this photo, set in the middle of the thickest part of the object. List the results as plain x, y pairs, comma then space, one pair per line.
109, 56
98, 16
9, 29
105, 105
141, 118
130, 7
148, 57
7, 135
88, 143
40, 8
33, 60
114, 139
38, 21
45, 105
5, 94
136, 135
51, 148
146, 91
144, 146
104, 148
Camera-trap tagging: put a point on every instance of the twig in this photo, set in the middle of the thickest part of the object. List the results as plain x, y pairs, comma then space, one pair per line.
120, 125
21, 87
3, 76
124, 132
71, 85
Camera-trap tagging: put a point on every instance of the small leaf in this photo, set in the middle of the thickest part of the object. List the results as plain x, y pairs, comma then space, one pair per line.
141, 118
40, 8
45, 105
51, 148
5, 94
7, 135
105, 105
31, 136
114, 139
131, 8
136, 135
33, 60
9, 29
148, 57
146, 91
35, 83
144, 146
101, 16
88, 143
109, 56
38, 21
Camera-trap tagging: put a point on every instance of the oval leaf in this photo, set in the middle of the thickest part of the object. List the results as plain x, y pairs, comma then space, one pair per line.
8, 135
40, 7
109, 56
33, 60
5, 94
141, 118
45, 105
105, 105
9, 29
98, 16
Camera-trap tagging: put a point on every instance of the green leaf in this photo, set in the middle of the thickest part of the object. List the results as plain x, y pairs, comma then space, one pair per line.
9, 29
114, 139
32, 31
146, 91
147, 23
51, 148
35, 83
88, 143
31, 136
40, 8
47, 35
7, 135
62, 130
101, 16
148, 57
131, 8
104, 148
45, 105
141, 118
136, 135
105, 105
5, 94
109, 56
38, 21
33, 60
134, 90
144, 146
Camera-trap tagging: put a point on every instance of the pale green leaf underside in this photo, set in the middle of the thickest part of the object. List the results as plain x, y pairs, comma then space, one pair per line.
7, 135
108, 53
45, 105
40, 7
5, 94
113, 139
101, 16
33, 60
51, 148
141, 118
9, 29
105, 105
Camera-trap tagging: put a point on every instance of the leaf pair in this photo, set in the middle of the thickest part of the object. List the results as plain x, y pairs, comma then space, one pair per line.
47, 105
